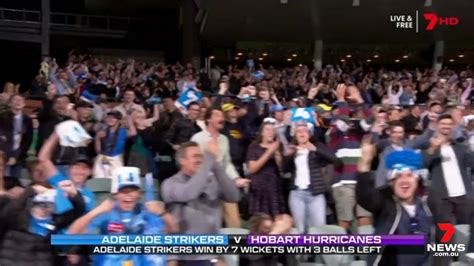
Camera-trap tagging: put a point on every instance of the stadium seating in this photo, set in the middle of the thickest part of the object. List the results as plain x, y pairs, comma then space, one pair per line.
100, 187
332, 259
233, 260
365, 230
156, 188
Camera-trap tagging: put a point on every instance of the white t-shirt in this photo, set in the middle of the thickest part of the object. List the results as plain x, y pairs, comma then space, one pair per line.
410, 209
452, 174
302, 178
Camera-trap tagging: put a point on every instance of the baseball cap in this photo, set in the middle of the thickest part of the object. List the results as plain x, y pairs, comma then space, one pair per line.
82, 159
322, 108
277, 108
126, 177
116, 114
228, 106
48, 196
84, 104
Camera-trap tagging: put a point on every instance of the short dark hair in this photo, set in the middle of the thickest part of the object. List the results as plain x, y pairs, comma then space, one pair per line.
397, 123
444, 116
129, 88
183, 148
15, 95
209, 112
433, 104
57, 97
193, 103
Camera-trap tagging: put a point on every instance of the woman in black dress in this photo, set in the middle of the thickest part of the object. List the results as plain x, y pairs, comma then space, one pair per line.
264, 160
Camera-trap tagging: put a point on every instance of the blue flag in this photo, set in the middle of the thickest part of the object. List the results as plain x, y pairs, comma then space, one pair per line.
189, 95
305, 114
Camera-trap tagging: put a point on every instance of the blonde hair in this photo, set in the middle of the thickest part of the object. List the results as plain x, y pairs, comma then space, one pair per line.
256, 220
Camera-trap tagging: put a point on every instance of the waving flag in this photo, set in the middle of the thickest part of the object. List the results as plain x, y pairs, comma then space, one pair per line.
189, 95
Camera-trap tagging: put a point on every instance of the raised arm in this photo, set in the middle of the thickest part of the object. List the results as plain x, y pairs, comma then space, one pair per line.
132, 129
156, 114
79, 207
422, 141
45, 155
467, 92
228, 188
174, 190
366, 194
81, 224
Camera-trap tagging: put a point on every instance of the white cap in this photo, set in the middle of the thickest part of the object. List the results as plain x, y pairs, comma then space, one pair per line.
125, 177
72, 134
47, 196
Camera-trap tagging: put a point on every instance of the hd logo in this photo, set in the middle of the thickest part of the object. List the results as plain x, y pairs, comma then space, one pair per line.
445, 249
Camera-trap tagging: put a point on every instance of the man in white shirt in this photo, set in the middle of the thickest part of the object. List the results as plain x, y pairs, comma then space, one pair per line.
128, 106
450, 193
215, 121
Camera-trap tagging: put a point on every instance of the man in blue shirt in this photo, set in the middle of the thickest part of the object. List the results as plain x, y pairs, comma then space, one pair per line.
126, 215
79, 172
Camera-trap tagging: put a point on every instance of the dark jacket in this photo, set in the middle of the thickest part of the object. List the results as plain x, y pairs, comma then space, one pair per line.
19, 246
316, 161
7, 120
432, 162
48, 120
239, 137
181, 131
389, 216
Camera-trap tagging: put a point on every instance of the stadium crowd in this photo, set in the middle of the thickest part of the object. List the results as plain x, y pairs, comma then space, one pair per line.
272, 150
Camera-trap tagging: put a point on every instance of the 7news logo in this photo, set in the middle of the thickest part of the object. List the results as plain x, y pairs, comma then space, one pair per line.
444, 249
434, 20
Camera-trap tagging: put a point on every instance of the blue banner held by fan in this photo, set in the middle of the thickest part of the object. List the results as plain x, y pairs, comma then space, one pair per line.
149, 189
189, 95
303, 114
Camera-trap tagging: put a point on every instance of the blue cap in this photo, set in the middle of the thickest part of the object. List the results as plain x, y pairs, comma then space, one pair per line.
277, 108
404, 160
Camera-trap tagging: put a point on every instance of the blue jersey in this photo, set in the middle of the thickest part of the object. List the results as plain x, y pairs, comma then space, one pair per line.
137, 222
62, 204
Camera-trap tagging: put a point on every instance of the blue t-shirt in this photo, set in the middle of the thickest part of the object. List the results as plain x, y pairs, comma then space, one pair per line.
139, 221
119, 146
62, 203
41, 227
